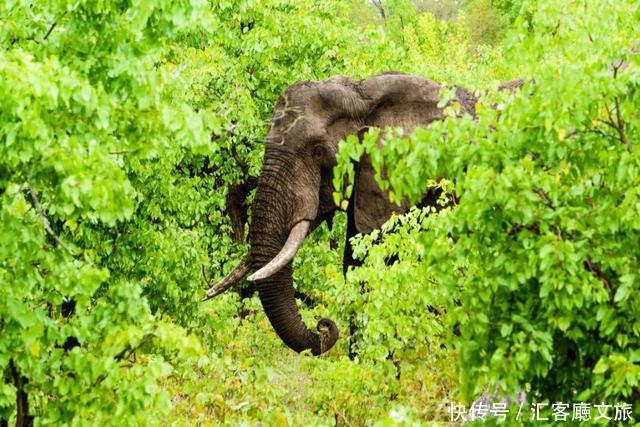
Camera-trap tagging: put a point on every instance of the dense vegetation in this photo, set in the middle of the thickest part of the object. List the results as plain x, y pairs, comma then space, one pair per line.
126, 126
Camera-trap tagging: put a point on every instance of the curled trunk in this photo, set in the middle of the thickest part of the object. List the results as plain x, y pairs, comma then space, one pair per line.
278, 299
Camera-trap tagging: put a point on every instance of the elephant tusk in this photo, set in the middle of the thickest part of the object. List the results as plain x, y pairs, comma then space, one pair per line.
231, 279
286, 254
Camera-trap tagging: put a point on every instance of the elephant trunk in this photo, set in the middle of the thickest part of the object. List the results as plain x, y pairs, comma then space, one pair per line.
278, 300
272, 222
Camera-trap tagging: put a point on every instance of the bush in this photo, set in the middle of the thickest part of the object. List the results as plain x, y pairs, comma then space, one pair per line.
85, 133
538, 260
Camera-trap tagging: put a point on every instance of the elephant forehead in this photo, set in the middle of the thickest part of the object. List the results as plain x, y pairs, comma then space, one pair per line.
294, 101
312, 111
298, 126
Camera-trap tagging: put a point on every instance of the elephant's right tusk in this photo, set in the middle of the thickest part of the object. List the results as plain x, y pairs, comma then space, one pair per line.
231, 279
286, 254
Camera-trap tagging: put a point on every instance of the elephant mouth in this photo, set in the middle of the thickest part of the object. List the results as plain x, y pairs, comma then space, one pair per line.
296, 236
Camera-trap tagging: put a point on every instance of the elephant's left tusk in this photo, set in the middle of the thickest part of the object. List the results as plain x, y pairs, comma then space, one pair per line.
286, 254
230, 280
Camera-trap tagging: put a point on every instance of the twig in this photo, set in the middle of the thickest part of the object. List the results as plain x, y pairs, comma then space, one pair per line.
617, 124
620, 123
620, 127
53, 25
116, 153
128, 350
231, 130
597, 272
609, 122
380, 7
46, 36
45, 221
594, 131
206, 279
540, 192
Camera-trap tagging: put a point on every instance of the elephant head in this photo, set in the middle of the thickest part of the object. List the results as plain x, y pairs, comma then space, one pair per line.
294, 189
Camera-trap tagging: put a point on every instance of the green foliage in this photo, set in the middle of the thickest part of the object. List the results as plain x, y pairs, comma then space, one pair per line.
88, 146
485, 22
256, 380
443, 10
122, 128
538, 260
444, 51
124, 125
486, 19
511, 9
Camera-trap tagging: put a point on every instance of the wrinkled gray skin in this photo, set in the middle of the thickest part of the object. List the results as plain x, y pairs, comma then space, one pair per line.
295, 184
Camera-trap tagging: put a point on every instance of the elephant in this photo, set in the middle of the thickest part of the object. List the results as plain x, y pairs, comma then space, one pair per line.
294, 193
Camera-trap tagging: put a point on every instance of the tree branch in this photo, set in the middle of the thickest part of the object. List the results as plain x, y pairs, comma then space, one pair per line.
598, 132
380, 7
597, 272
23, 419
45, 221
127, 351
544, 196
620, 126
617, 124
206, 279
117, 153
53, 25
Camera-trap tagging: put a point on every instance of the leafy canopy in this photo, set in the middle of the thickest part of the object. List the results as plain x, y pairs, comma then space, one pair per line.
538, 260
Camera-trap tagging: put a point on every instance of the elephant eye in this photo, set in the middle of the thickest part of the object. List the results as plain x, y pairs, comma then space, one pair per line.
318, 151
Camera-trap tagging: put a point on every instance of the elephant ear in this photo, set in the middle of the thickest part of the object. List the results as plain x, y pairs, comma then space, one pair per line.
396, 100
372, 206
